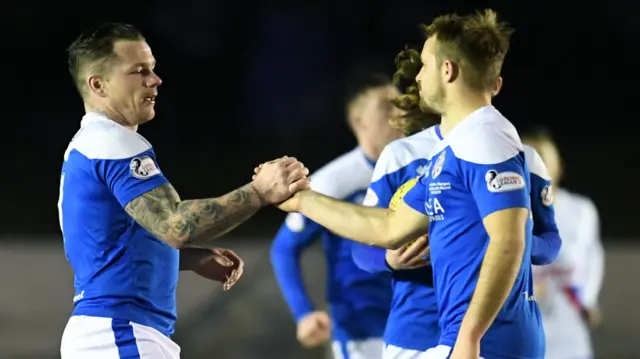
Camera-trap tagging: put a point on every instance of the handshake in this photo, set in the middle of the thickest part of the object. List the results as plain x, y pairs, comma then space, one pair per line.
280, 181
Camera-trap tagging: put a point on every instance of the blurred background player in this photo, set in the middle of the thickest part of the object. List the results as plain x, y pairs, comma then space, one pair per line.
412, 326
126, 231
567, 290
358, 301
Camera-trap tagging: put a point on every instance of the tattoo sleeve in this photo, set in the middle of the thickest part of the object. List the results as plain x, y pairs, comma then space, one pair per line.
192, 222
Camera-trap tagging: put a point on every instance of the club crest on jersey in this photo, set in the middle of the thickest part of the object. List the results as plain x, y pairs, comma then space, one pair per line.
546, 195
370, 199
143, 167
437, 167
503, 181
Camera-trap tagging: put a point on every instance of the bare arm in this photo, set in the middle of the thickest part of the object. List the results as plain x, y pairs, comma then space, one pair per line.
502, 261
193, 222
374, 226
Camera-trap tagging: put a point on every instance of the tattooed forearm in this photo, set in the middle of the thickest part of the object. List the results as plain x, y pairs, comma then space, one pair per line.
193, 222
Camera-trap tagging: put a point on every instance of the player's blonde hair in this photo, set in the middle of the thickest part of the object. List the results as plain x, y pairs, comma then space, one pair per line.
476, 43
414, 119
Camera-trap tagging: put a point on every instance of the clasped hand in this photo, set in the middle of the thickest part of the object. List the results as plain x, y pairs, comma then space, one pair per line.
279, 180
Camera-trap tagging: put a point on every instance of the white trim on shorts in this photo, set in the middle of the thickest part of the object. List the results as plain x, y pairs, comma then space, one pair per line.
371, 348
439, 352
105, 338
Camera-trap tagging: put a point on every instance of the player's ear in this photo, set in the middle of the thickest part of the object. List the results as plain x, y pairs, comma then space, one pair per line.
96, 85
450, 71
498, 87
355, 122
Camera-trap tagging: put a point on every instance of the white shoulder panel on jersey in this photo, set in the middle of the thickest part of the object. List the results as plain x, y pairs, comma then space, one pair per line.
343, 176
535, 163
486, 137
101, 138
402, 152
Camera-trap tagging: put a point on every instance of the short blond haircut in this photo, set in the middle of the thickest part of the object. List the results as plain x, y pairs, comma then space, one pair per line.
477, 43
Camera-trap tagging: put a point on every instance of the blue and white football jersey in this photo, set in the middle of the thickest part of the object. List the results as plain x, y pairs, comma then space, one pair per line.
121, 271
478, 169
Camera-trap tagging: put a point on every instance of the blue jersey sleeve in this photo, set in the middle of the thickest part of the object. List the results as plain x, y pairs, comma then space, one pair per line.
546, 238
498, 186
296, 234
131, 177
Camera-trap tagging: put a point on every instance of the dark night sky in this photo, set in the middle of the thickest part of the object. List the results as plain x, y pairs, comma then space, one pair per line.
243, 84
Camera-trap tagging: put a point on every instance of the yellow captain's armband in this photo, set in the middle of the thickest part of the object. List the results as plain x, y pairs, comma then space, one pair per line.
401, 192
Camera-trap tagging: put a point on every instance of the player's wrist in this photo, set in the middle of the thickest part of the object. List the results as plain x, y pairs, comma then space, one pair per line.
302, 199
260, 197
300, 316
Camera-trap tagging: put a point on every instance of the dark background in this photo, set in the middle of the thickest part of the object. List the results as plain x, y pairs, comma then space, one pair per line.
246, 82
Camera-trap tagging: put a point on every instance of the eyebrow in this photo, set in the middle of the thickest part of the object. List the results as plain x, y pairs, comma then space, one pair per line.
145, 64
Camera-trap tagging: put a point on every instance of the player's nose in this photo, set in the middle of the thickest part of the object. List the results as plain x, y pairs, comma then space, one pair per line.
154, 81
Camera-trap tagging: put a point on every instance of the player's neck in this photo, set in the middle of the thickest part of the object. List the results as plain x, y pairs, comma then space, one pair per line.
370, 150
461, 105
111, 115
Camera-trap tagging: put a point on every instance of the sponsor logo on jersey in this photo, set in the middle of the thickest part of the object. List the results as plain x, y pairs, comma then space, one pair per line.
503, 181
143, 167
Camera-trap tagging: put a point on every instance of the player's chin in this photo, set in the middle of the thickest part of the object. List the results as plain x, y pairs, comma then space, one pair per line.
147, 113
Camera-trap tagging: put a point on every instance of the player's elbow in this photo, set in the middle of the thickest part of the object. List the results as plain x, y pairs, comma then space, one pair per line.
393, 239
398, 234
393, 243
385, 234
177, 235
382, 237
